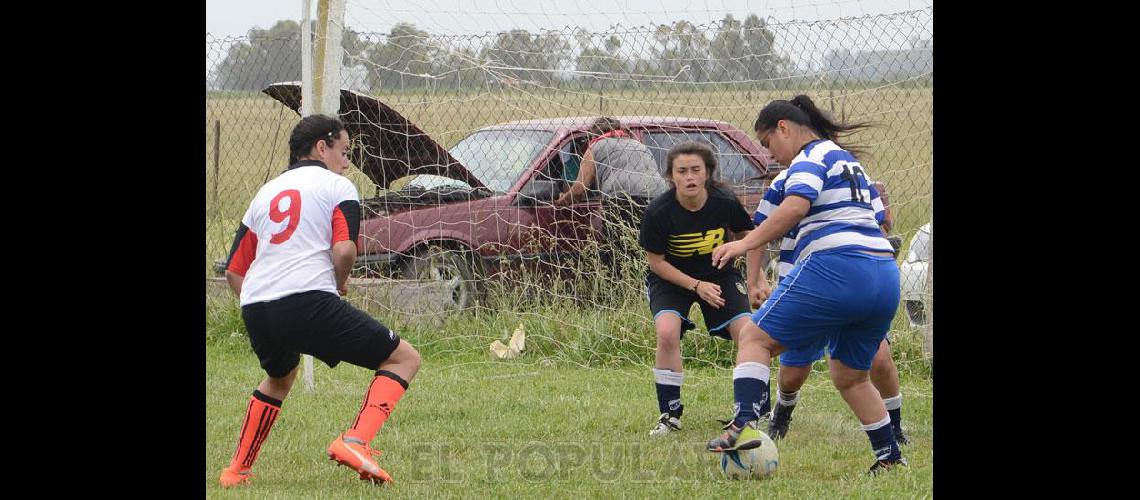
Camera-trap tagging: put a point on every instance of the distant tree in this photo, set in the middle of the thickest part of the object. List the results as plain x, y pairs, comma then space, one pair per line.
527, 57
459, 67
605, 60
269, 56
682, 51
272, 55
728, 51
760, 58
407, 54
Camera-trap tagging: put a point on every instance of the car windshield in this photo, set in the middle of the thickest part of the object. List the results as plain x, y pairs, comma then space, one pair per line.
499, 157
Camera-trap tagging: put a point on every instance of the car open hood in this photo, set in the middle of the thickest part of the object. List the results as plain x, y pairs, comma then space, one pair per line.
386, 145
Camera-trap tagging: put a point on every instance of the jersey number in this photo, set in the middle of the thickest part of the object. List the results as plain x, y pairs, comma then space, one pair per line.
852, 175
293, 214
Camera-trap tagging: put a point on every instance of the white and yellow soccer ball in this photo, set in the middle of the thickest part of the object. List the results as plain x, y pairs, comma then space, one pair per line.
756, 463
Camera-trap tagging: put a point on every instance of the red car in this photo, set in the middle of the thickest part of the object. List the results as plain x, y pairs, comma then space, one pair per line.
486, 201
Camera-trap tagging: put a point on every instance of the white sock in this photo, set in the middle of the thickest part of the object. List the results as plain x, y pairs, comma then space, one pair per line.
751, 369
877, 425
788, 398
893, 403
668, 377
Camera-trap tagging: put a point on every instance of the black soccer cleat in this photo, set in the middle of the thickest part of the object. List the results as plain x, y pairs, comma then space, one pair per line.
900, 436
730, 439
781, 418
881, 466
666, 424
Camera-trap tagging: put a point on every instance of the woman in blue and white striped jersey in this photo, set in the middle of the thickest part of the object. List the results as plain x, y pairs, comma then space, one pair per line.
843, 290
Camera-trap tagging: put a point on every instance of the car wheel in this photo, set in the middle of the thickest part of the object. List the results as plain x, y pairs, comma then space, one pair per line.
436, 263
915, 312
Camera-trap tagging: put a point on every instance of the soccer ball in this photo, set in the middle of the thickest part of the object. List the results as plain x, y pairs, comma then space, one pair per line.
757, 463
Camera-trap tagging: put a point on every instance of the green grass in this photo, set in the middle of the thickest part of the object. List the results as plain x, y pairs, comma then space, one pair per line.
543, 425
613, 332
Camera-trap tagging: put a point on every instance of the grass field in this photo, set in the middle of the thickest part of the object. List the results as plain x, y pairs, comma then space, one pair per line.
545, 427
602, 333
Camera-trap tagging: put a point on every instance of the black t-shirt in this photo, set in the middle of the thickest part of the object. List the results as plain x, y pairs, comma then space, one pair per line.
687, 238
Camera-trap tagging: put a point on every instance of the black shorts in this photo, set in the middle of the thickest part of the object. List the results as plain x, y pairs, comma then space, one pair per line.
317, 323
665, 297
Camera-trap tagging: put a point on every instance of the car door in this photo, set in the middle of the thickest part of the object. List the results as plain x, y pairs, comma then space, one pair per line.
563, 233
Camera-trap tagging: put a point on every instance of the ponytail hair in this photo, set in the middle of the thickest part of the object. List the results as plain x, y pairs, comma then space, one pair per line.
800, 109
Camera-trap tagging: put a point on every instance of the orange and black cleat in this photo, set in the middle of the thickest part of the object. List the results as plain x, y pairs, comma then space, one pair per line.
356, 454
231, 477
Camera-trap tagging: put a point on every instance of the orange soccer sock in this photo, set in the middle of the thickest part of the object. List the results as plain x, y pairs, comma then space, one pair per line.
259, 417
385, 390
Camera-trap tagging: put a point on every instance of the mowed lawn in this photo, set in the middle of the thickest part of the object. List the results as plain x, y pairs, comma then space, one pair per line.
545, 428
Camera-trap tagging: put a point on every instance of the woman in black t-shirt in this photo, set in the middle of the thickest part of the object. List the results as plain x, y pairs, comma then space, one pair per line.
679, 231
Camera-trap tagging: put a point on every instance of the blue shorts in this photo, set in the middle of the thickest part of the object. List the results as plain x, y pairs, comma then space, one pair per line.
805, 357
802, 357
844, 299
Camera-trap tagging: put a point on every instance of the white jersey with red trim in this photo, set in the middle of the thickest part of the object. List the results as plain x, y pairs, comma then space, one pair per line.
291, 220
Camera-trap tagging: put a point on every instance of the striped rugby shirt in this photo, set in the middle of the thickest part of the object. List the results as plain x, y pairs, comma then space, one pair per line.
846, 208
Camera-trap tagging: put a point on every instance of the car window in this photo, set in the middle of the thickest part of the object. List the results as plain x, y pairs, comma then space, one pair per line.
571, 159
734, 168
499, 157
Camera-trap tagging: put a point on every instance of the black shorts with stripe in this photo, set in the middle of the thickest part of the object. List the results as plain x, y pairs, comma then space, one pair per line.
667, 298
317, 323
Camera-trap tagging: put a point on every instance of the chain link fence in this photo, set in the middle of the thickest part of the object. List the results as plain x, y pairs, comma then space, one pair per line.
423, 101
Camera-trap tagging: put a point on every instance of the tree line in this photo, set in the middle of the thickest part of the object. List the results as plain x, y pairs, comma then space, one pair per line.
409, 57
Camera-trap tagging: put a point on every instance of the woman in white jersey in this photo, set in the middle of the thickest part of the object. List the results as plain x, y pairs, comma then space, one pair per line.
290, 265
843, 290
